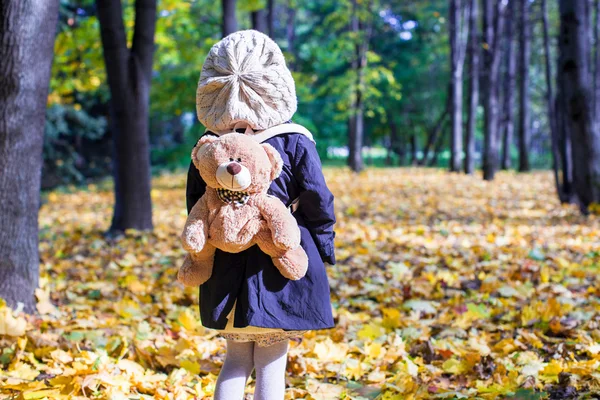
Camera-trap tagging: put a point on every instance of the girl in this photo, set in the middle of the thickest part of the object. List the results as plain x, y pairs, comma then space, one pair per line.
245, 83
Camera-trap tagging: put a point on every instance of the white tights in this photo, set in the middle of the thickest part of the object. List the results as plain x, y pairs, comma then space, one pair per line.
241, 359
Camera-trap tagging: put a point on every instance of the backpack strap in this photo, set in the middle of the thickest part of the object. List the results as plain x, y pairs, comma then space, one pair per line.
262, 136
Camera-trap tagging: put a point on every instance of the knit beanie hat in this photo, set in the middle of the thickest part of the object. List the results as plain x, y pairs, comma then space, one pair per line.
245, 79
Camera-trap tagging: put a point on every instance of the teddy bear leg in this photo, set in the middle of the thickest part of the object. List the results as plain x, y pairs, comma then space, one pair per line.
292, 264
197, 267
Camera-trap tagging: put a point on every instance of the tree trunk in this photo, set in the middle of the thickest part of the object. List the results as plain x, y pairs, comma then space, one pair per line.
129, 73
291, 34
437, 149
27, 30
259, 21
229, 19
434, 133
573, 71
271, 18
493, 24
509, 88
524, 58
474, 45
552, 113
356, 125
413, 149
597, 68
457, 58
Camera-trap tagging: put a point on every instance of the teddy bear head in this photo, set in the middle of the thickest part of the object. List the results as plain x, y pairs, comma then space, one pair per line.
236, 162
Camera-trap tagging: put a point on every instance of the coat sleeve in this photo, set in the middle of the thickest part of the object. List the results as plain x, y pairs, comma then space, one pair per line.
316, 200
195, 187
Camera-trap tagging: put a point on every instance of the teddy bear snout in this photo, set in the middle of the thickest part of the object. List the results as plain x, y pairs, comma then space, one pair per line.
234, 168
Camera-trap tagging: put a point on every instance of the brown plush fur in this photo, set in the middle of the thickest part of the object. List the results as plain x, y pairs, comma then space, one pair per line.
263, 220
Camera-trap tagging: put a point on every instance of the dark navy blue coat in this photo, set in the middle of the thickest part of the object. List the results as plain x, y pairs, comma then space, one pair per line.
264, 297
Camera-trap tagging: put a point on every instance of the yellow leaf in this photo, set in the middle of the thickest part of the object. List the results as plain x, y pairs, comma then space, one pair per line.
371, 331
327, 350
9, 325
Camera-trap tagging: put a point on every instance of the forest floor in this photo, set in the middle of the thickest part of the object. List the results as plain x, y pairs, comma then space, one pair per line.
446, 287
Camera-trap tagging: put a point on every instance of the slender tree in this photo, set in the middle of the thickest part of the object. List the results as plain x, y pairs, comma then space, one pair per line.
509, 86
260, 21
129, 72
359, 64
524, 59
27, 30
493, 18
291, 33
458, 44
576, 88
474, 50
229, 18
597, 67
271, 18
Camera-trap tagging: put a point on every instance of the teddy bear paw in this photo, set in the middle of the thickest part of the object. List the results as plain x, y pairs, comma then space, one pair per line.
193, 273
293, 264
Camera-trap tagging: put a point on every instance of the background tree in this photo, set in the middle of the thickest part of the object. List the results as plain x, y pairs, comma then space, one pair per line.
509, 86
576, 87
524, 107
229, 18
129, 73
473, 59
458, 33
493, 22
27, 30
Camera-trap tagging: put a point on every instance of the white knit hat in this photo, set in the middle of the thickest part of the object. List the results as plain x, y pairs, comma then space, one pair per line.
245, 79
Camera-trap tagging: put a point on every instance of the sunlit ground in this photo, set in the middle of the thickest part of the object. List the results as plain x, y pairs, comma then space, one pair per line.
446, 287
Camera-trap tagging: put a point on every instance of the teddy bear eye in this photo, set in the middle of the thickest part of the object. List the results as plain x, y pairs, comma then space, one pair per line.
239, 160
231, 159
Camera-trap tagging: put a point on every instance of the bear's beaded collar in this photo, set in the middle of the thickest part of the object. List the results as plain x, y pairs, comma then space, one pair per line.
229, 196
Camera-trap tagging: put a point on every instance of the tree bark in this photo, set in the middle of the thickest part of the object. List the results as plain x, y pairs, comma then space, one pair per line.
229, 24
597, 67
259, 21
356, 124
291, 34
129, 73
457, 58
524, 60
413, 149
509, 88
552, 113
27, 31
271, 18
575, 84
493, 25
474, 45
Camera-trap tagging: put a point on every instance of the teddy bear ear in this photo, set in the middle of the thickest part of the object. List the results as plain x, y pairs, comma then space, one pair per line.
276, 160
206, 139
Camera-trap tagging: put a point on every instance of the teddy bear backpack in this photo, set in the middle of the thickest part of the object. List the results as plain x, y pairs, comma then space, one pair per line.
236, 212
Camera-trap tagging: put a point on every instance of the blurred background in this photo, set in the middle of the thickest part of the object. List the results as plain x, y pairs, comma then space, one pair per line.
388, 62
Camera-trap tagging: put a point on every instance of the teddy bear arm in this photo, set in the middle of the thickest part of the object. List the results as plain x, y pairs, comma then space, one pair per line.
195, 232
282, 224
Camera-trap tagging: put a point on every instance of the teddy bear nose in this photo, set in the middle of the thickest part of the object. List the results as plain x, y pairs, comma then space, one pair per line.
234, 168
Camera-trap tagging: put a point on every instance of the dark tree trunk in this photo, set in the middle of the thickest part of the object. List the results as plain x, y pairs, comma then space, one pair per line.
291, 34
509, 87
229, 18
129, 73
434, 133
597, 68
457, 58
259, 21
437, 149
524, 58
576, 89
27, 30
271, 18
413, 149
493, 13
474, 45
356, 124
560, 179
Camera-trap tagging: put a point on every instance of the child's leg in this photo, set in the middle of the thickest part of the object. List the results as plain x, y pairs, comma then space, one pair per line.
236, 370
270, 365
